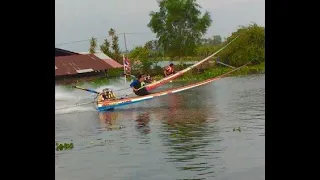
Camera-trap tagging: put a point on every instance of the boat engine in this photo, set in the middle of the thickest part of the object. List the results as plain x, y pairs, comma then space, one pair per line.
108, 94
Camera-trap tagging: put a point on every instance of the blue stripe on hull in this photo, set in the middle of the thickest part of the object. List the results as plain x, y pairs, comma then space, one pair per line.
107, 108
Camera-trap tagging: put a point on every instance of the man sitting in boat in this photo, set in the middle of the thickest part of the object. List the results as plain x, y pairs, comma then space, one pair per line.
106, 94
137, 86
168, 70
143, 83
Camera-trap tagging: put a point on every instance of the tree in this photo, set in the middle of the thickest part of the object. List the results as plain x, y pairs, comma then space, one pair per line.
179, 26
153, 48
149, 45
114, 52
112, 32
141, 54
105, 48
157, 46
116, 49
93, 45
250, 46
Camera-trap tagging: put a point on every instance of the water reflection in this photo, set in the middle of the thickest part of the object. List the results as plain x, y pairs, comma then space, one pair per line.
187, 137
142, 123
108, 120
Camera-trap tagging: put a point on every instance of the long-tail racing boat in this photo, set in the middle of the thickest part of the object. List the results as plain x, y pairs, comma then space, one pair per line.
108, 105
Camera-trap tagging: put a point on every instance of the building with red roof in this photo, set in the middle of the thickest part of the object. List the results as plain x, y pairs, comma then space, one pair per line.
70, 66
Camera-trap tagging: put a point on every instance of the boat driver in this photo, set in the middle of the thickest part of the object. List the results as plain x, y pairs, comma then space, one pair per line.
138, 87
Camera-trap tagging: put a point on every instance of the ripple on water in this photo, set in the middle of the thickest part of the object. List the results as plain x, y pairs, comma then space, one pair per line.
187, 135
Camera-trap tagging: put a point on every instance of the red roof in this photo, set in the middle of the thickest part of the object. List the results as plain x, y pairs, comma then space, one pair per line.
113, 63
63, 52
75, 64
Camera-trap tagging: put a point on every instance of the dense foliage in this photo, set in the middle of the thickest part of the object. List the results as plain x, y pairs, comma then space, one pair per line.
250, 46
139, 57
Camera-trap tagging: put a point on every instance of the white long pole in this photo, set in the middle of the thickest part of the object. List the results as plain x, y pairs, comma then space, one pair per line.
124, 70
225, 64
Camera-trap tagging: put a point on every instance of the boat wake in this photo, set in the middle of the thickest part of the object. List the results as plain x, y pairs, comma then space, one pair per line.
74, 101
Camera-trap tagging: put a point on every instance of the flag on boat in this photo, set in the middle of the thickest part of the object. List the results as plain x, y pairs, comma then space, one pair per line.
126, 65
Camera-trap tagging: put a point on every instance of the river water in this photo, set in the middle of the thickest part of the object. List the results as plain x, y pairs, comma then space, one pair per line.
189, 135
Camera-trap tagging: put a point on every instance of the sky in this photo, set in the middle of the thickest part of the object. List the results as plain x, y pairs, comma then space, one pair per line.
79, 20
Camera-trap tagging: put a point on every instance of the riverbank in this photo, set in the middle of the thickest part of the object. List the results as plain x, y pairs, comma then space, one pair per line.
218, 70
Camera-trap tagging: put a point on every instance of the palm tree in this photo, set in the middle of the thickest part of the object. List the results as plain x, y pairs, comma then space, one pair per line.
93, 45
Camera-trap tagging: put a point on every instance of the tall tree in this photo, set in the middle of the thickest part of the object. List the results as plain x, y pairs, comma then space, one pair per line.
116, 49
179, 26
112, 32
93, 45
105, 48
113, 51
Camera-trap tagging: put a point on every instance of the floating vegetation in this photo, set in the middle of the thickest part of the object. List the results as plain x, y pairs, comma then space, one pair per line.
64, 146
237, 129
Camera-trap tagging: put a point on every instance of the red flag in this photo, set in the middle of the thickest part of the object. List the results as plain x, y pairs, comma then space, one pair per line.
126, 64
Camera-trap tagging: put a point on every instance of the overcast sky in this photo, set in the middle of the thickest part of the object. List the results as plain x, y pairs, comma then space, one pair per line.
77, 20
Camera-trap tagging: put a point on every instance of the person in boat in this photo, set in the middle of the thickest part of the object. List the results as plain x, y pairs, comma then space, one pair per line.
168, 70
137, 86
143, 83
107, 94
